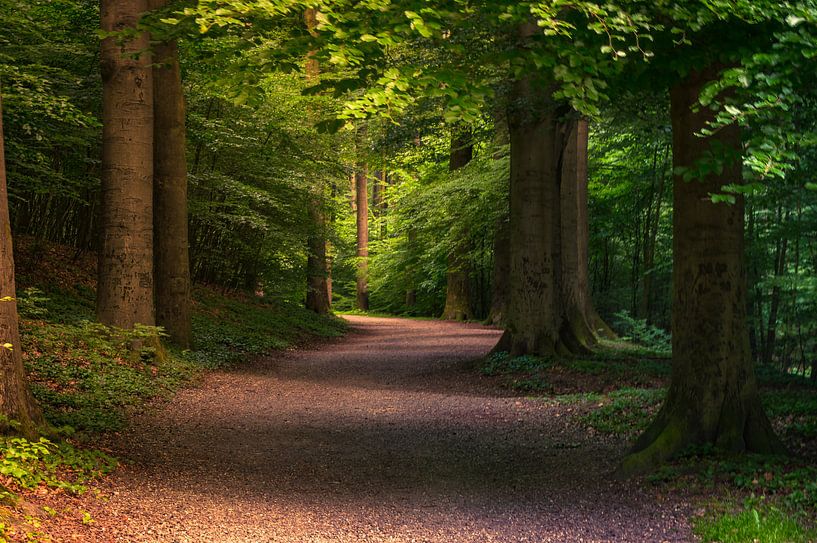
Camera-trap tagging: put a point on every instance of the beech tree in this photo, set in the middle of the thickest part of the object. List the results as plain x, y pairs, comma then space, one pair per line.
458, 278
18, 411
318, 287
125, 294
362, 214
170, 241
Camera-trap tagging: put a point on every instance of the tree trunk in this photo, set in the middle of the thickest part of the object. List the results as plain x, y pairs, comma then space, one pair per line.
362, 201
713, 396
533, 325
581, 316
501, 275
318, 296
16, 402
781, 248
171, 259
125, 286
458, 278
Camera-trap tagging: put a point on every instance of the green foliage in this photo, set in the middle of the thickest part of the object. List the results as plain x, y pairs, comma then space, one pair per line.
625, 412
639, 332
503, 364
229, 328
768, 525
28, 464
86, 376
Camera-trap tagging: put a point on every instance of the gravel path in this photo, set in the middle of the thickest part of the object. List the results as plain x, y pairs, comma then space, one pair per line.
383, 436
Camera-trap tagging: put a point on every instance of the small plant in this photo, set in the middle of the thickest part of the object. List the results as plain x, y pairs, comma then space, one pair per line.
504, 363
752, 525
625, 412
639, 332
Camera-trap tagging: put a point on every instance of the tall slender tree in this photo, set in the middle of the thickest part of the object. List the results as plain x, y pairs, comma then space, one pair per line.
318, 284
170, 236
125, 285
458, 276
362, 209
18, 411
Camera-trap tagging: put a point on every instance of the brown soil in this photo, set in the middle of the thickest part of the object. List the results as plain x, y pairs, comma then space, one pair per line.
387, 435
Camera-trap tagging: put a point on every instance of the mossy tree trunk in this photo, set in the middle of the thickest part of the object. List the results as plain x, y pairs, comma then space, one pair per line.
318, 283
18, 411
125, 285
713, 396
170, 240
458, 276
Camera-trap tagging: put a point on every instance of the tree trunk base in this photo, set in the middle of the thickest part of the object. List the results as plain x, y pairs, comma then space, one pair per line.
675, 430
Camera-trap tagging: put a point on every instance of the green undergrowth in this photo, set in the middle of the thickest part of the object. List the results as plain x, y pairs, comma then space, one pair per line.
751, 525
614, 365
86, 377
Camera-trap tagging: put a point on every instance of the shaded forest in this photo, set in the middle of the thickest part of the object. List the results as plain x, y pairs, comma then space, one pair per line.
590, 178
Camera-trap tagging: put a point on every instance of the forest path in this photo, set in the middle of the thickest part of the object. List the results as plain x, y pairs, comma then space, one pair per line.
385, 435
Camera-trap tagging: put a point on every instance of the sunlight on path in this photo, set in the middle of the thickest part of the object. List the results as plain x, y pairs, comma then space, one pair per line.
385, 435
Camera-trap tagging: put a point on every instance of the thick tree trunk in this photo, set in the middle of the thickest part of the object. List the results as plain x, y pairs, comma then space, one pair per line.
581, 317
362, 201
318, 289
171, 256
16, 402
125, 286
713, 396
534, 323
458, 279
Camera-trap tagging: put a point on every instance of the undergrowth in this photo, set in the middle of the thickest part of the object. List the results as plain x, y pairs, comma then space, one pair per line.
87, 378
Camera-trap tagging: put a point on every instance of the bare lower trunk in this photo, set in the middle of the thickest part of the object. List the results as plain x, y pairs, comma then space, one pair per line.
713, 397
581, 319
18, 411
170, 252
500, 283
534, 311
318, 282
458, 279
362, 200
125, 286
317, 273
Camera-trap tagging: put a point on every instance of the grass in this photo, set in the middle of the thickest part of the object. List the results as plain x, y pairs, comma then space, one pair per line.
766, 525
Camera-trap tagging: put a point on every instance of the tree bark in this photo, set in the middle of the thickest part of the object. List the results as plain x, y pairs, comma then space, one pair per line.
500, 284
713, 396
125, 286
362, 205
318, 289
18, 409
581, 317
458, 277
533, 325
171, 258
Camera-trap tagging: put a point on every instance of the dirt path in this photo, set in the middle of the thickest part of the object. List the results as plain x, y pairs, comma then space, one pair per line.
383, 436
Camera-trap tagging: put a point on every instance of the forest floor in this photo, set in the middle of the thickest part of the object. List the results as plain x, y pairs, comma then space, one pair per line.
388, 434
